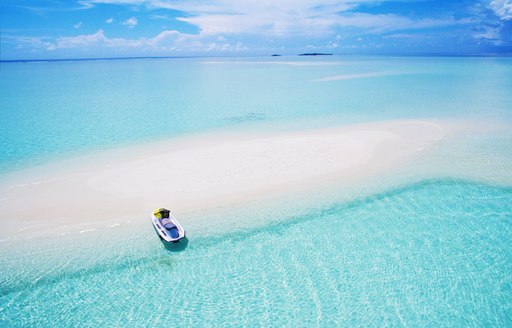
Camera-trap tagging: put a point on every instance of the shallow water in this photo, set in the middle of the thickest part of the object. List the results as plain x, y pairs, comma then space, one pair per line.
436, 252
59, 109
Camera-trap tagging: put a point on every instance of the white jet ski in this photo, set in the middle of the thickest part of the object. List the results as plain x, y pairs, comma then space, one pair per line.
166, 226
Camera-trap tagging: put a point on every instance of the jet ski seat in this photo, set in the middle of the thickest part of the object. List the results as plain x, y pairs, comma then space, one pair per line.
167, 223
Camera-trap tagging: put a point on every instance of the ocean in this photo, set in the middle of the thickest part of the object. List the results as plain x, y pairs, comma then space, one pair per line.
430, 248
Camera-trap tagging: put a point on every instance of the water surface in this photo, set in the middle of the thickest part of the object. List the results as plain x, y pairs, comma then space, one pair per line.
432, 250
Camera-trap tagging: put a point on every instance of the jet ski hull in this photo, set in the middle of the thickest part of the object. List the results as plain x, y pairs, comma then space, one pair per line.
173, 235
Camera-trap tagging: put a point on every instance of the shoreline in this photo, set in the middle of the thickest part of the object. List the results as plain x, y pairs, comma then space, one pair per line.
198, 173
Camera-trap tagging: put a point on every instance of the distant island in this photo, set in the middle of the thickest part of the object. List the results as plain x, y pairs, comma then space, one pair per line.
314, 54
276, 55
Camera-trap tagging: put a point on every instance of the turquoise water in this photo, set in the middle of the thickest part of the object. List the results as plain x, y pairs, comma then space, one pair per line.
54, 109
436, 252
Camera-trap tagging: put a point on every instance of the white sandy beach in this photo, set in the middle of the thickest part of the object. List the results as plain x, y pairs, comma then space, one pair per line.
208, 171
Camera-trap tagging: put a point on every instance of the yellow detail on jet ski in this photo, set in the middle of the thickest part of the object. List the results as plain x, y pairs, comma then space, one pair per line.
161, 213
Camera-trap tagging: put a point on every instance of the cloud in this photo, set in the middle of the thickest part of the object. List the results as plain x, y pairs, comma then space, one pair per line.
284, 18
27, 42
82, 41
490, 34
268, 25
494, 22
275, 18
164, 17
130, 22
166, 42
78, 25
311, 23
502, 9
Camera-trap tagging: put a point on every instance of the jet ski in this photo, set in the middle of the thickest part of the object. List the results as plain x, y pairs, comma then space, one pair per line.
166, 226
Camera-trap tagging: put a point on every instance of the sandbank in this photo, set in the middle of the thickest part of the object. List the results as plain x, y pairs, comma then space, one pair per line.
202, 172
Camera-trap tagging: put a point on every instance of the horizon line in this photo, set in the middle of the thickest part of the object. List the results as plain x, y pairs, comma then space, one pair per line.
250, 56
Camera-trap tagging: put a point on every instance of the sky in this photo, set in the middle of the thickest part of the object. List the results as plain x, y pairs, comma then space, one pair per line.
58, 29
